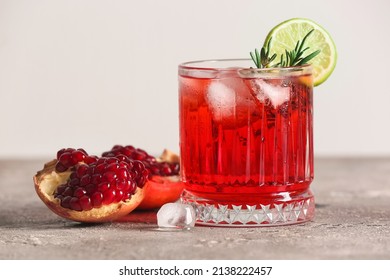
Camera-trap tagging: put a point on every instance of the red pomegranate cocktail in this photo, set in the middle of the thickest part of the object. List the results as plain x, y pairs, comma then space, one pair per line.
246, 142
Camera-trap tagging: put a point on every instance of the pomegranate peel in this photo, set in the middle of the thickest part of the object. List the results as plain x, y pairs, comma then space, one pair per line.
160, 190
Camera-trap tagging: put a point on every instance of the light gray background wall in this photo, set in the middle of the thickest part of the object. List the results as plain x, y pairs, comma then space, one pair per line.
96, 73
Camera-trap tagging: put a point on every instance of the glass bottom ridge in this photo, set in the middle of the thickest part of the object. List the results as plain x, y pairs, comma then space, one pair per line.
279, 211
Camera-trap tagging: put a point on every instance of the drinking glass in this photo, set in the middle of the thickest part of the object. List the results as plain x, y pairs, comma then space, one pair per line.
246, 142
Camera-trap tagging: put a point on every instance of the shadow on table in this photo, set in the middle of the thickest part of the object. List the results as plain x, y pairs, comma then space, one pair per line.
36, 217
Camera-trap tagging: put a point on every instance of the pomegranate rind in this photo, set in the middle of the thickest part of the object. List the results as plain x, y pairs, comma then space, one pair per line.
160, 190
47, 180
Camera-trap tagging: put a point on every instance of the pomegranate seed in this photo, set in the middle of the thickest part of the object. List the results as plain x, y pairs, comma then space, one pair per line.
90, 188
81, 170
122, 173
85, 180
60, 167
100, 168
60, 152
122, 185
79, 192
74, 182
96, 179
61, 189
138, 155
126, 196
65, 159
112, 167
118, 196
75, 204
85, 203
83, 151
90, 159
102, 187
77, 156
97, 199
65, 202
108, 177
166, 170
68, 192
108, 196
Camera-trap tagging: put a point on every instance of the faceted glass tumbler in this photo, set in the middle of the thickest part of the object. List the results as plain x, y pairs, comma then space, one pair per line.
246, 143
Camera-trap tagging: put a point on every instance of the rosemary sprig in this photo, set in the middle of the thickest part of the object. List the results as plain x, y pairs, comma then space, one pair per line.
262, 59
288, 59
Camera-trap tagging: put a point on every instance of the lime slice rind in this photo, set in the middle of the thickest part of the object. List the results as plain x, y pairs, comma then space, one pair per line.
286, 34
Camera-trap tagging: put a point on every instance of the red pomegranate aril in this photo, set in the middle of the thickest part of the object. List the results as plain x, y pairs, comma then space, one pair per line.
77, 156
122, 185
100, 168
96, 179
75, 204
126, 196
85, 203
138, 155
132, 187
125, 165
91, 170
155, 170
65, 159
118, 196
68, 192
74, 182
65, 202
90, 188
60, 152
81, 170
79, 192
97, 199
60, 167
122, 174
102, 187
111, 160
108, 176
90, 159
138, 165
109, 196
85, 180
112, 167
166, 170
61, 189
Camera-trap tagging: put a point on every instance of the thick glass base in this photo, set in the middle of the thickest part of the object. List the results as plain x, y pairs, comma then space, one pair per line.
286, 209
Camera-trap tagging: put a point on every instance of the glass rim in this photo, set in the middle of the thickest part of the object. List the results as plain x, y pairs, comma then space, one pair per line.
196, 68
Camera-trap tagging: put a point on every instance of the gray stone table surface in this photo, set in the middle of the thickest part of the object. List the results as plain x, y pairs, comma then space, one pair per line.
352, 222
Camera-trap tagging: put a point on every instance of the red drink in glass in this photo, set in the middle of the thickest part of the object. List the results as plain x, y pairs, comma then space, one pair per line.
246, 143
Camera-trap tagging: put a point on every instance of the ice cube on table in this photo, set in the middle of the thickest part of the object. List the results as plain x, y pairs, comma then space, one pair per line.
176, 216
277, 94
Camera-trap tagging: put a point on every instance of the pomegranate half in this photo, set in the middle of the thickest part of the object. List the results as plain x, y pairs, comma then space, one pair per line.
90, 189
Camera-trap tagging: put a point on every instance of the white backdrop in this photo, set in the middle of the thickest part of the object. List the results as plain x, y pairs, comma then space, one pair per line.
97, 73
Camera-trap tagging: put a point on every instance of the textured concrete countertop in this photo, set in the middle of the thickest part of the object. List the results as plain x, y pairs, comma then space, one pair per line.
352, 222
